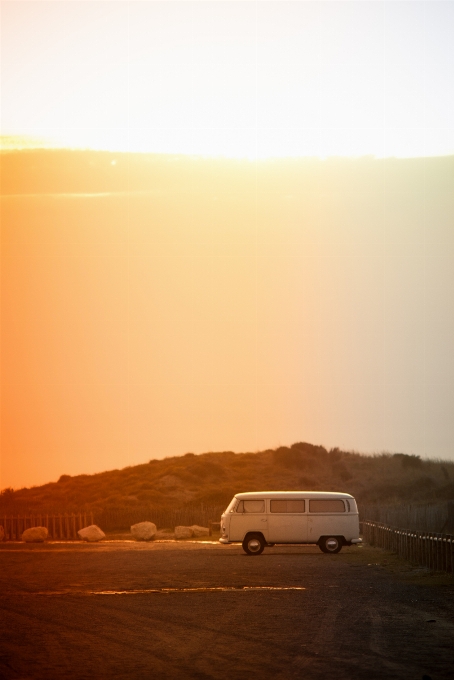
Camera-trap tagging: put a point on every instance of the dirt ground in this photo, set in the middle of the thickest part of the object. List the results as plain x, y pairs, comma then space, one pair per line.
169, 610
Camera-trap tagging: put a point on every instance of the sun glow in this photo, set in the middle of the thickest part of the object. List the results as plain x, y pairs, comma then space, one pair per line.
238, 79
167, 301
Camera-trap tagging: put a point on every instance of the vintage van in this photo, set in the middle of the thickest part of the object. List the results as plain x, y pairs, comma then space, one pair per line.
257, 519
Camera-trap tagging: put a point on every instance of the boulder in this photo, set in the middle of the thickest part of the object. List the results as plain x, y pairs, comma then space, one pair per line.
2, 533
144, 531
183, 532
199, 531
35, 535
91, 533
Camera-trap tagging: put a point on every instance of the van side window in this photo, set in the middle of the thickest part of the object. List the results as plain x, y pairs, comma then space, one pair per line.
328, 505
287, 506
251, 506
348, 504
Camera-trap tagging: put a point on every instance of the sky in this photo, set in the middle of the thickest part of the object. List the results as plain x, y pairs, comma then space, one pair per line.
235, 306
252, 79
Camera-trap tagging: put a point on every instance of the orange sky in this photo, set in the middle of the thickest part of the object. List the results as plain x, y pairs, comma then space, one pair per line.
266, 305
228, 306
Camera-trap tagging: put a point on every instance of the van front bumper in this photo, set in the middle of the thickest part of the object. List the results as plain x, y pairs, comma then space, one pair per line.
356, 540
223, 539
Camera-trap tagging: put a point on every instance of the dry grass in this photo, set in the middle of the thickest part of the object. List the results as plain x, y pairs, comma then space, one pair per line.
377, 558
210, 480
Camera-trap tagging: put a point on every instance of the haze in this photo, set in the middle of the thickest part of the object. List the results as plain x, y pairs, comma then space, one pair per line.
249, 79
154, 305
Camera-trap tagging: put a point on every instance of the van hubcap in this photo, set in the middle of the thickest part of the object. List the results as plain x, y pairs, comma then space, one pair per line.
254, 545
332, 544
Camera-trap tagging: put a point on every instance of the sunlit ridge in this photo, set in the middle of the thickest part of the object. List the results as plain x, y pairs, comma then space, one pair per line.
253, 148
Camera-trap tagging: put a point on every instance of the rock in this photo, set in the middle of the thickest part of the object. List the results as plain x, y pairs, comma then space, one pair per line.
165, 534
35, 535
199, 531
183, 532
144, 531
91, 533
2, 533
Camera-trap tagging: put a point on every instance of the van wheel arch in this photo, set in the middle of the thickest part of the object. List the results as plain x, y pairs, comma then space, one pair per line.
331, 544
254, 543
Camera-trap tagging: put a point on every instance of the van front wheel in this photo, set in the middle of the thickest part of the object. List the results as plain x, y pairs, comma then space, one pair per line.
330, 544
253, 544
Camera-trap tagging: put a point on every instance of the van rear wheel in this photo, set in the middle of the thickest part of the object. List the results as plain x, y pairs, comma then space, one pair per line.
330, 544
253, 544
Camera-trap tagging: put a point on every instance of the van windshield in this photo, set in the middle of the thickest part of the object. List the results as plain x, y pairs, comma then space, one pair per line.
231, 505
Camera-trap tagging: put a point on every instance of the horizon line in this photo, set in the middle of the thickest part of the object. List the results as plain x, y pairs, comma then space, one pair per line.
221, 157
17, 143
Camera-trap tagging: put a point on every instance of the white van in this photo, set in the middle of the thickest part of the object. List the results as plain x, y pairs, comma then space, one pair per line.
261, 518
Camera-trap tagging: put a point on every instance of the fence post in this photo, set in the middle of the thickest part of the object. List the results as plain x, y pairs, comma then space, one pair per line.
439, 553
433, 550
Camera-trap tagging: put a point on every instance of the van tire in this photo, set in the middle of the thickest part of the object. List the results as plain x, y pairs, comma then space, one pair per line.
253, 544
330, 544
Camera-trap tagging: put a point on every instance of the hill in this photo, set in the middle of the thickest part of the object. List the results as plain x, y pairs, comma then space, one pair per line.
213, 478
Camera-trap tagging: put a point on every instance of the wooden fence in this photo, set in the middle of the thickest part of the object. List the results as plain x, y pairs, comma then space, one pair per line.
435, 517
428, 549
62, 527
120, 519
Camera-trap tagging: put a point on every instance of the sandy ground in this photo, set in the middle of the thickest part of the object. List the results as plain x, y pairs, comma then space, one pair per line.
121, 609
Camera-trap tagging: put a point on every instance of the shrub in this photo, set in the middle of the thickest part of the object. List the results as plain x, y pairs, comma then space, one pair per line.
205, 469
408, 461
298, 456
340, 470
310, 449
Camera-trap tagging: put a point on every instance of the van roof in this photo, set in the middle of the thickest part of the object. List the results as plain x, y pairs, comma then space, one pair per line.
291, 494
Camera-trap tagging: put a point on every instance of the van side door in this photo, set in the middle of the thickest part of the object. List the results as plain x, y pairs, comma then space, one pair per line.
287, 521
